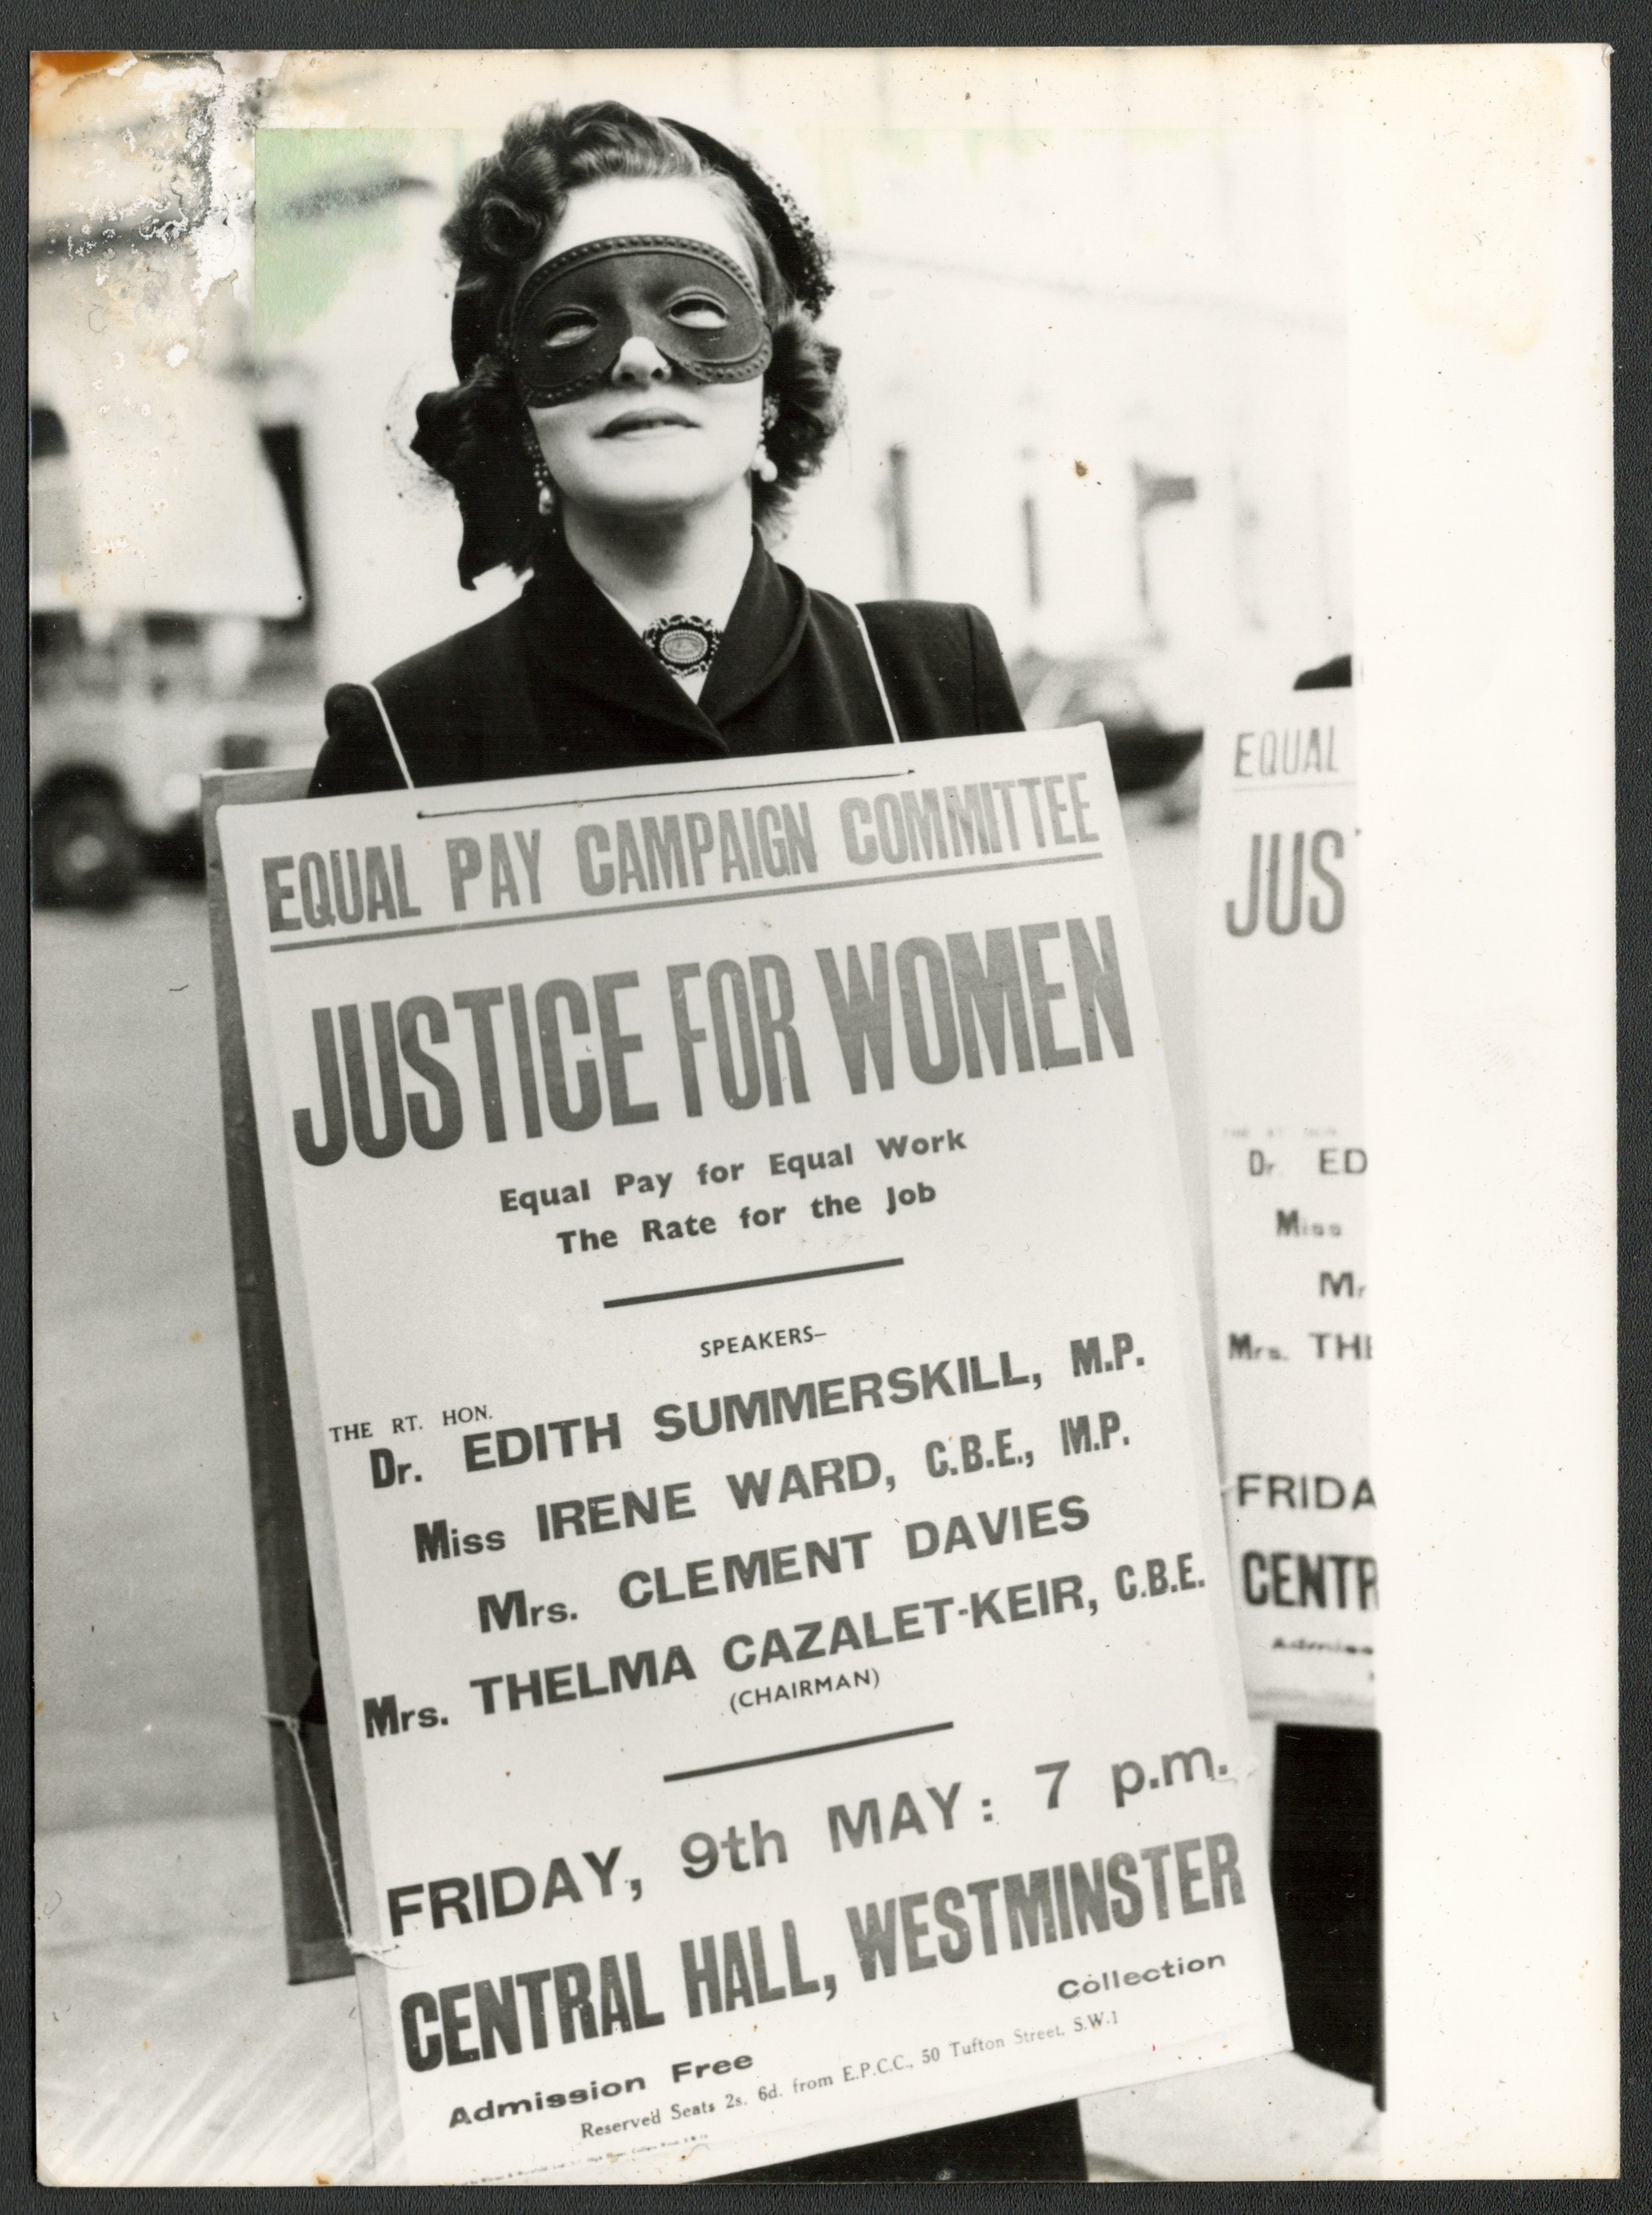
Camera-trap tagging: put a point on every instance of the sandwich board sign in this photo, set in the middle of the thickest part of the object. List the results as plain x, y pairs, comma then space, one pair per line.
757, 1474
1279, 1024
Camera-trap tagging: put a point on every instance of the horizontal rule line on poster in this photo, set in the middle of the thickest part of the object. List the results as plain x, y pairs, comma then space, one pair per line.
708, 900
752, 1284
1271, 790
672, 792
804, 1752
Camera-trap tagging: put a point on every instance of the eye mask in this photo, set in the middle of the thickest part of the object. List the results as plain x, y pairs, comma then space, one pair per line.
575, 314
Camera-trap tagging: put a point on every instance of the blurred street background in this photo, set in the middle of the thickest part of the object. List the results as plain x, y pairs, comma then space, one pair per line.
1095, 370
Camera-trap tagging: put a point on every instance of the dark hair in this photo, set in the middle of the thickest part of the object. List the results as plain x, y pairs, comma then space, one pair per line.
477, 434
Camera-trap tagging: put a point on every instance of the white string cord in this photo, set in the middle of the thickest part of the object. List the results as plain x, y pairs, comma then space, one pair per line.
290, 1724
877, 675
390, 732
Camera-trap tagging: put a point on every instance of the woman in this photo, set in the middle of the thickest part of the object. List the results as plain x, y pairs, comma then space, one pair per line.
641, 383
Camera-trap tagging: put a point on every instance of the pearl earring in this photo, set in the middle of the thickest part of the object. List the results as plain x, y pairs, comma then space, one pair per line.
763, 465
542, 478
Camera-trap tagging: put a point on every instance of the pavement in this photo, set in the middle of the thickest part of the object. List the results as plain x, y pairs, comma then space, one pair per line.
149, 1676
170, 2049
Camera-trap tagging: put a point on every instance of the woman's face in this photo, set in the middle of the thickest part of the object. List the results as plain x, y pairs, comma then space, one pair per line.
649, 440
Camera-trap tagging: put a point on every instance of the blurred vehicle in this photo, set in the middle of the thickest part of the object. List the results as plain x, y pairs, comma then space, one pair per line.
1115, 689
154, 659
123, 719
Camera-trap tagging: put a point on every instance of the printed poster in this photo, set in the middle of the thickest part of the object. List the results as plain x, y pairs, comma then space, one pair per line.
1288, 1165
768, 1553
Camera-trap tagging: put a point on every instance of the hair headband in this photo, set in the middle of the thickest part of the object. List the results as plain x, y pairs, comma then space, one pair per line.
801, 255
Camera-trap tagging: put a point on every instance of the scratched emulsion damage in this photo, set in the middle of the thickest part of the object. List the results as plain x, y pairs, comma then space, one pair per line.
141, 239
353, 179
143, 154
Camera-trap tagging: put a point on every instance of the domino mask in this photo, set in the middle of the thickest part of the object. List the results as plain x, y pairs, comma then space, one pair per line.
575, 312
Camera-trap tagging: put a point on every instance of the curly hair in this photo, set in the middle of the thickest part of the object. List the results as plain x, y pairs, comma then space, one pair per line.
476, 435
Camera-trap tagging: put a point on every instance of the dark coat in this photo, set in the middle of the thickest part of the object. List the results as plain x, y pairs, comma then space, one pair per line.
560, 681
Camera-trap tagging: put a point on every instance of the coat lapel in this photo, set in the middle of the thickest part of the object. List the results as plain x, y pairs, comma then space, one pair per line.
577, 637
764, 627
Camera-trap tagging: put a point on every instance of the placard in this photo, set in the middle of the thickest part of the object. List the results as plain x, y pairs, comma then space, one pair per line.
1279, 1021
745, 1367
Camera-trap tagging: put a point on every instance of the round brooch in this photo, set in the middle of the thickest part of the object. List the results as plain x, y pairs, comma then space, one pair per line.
684, 644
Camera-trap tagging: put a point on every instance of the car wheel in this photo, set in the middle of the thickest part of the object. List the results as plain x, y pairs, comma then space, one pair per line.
86, 854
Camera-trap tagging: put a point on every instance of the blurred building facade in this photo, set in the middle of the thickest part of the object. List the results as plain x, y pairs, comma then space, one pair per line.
167, 598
